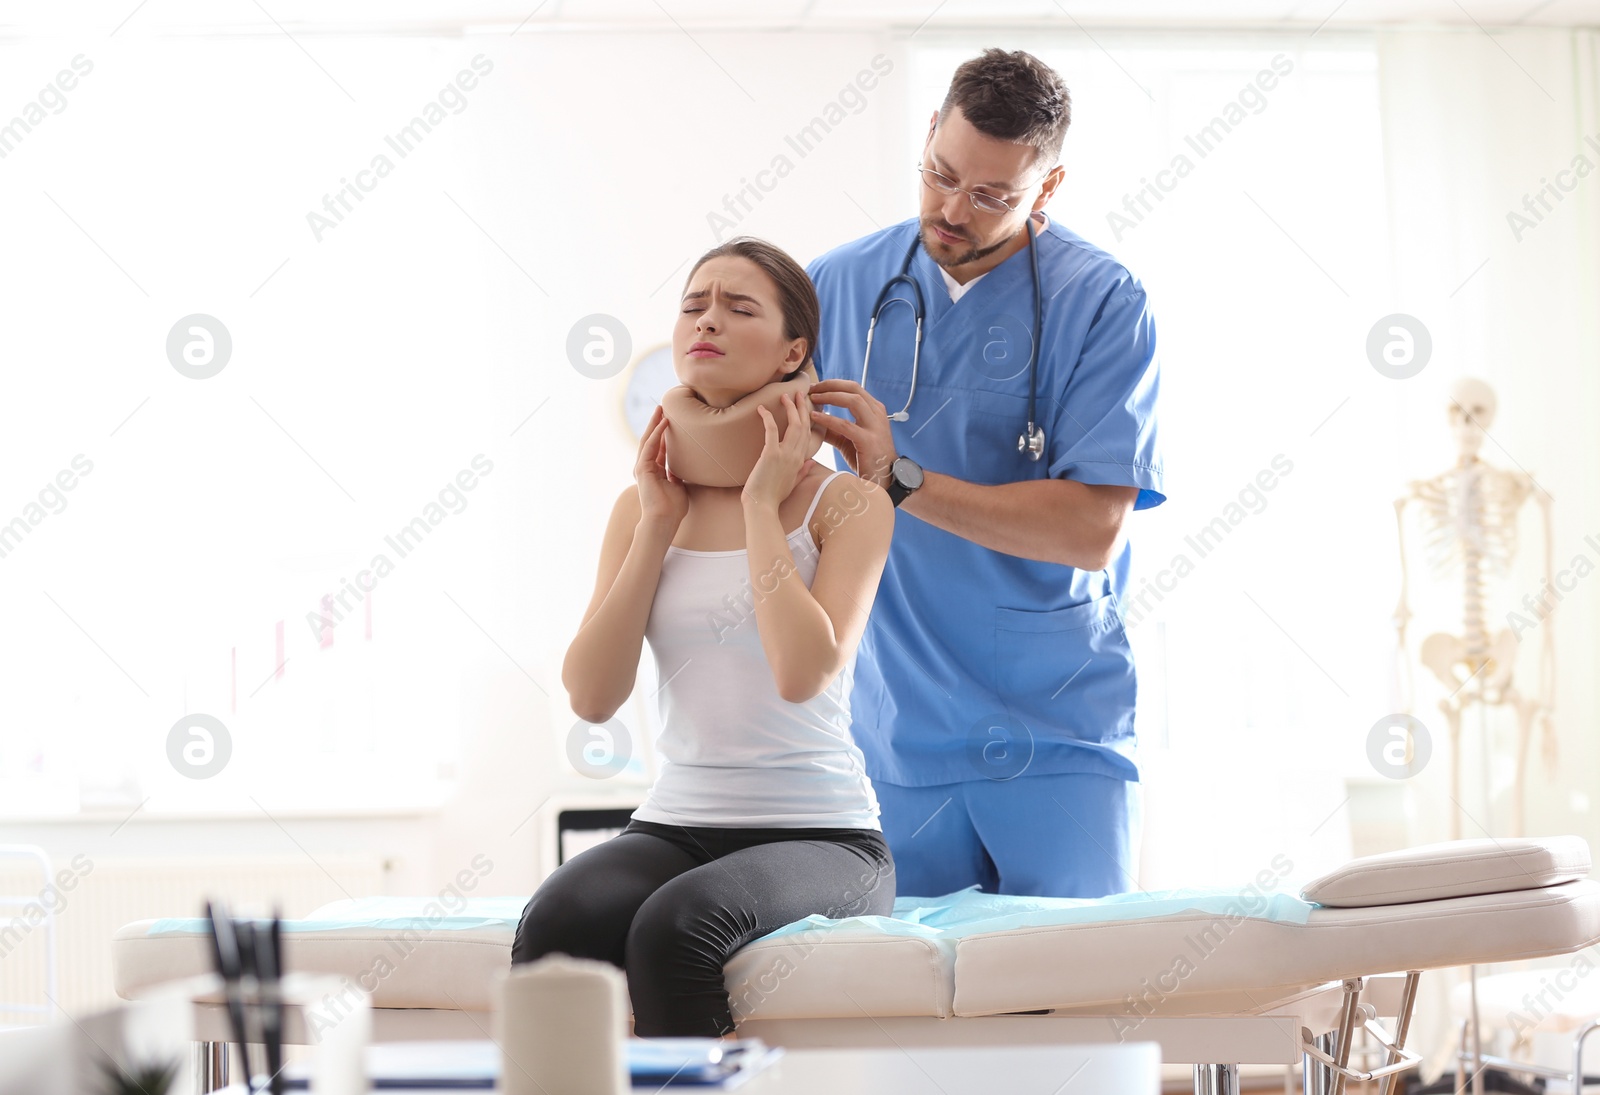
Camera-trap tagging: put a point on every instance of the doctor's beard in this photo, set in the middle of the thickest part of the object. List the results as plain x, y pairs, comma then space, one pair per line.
972, 254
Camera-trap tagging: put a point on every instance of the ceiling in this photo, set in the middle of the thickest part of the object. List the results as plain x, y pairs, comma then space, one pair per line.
155, 16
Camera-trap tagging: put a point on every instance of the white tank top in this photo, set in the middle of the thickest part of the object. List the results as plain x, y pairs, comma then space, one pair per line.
734, 752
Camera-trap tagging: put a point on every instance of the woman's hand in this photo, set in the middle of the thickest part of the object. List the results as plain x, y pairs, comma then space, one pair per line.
663, 498
782, 463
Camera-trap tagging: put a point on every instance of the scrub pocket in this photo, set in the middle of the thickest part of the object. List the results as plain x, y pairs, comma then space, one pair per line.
1066, 674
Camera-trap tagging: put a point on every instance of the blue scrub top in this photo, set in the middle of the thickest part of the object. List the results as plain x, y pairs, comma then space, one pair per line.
976, 664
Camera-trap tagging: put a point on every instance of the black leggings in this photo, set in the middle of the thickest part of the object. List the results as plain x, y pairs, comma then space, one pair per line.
670, 904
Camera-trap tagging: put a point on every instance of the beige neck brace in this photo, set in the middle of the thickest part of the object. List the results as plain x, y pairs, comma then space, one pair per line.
717, 446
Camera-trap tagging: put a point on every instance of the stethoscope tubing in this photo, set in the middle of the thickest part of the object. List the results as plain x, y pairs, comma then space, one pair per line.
1032, 441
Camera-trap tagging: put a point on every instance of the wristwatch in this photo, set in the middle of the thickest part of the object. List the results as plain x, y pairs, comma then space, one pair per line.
905, 476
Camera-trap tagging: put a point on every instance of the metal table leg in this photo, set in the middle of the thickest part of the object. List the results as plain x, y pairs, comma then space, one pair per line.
210, 1066
1316, 1077
1216, 1080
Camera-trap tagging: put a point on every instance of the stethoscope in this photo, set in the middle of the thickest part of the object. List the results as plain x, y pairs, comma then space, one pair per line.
1032, 440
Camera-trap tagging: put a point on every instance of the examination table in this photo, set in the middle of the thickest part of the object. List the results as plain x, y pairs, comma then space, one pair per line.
1216, 977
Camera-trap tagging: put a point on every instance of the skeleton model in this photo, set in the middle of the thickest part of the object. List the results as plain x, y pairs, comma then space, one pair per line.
1469, 528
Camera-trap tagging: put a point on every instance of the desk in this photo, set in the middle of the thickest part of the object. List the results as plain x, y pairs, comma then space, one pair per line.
1131, 1069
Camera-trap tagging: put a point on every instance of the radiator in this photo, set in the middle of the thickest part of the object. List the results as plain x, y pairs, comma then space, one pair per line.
108, 893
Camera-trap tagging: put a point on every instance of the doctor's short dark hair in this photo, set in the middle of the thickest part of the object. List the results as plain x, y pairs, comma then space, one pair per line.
1012, 97
797, 297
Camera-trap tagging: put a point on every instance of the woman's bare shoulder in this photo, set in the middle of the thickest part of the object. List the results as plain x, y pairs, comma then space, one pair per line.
624, 512
627, 502
848, 499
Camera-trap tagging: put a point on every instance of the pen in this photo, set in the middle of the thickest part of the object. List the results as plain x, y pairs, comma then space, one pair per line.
225, 946
251, 989
269, 967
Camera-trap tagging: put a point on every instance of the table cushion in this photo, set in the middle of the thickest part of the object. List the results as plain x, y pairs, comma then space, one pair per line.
407, 952
944, 960
1456, 868
1137, 968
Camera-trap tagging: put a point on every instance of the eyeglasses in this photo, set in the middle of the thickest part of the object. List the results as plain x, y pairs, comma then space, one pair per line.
983, 203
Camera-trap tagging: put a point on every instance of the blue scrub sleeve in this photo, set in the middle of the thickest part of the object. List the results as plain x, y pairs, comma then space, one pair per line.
1103, 429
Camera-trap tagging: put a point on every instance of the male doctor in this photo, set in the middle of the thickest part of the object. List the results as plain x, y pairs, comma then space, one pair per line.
994, 687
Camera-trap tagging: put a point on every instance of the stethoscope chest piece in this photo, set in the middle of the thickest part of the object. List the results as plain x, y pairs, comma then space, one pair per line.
1031, 442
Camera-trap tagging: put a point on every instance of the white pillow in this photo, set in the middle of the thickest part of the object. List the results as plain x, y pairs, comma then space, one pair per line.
1455, 868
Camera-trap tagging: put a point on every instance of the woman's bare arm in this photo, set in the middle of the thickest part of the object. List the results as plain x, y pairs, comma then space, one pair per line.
603, 660
809, 635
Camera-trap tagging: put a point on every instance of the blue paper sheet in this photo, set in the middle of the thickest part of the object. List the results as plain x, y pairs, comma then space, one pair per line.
966, 912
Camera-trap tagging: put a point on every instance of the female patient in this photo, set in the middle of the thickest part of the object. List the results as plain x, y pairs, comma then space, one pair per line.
762, 813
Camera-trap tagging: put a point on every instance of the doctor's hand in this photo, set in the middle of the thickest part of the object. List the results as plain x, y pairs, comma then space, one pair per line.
866, 443
663, 497
781, 464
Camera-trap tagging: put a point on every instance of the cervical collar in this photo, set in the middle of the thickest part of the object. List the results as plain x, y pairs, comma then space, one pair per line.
717, 446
